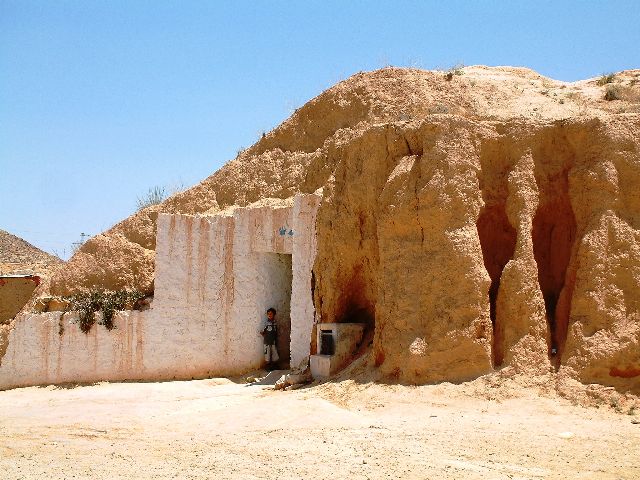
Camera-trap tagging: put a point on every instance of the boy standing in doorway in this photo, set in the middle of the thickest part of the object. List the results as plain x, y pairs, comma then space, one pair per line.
270, 335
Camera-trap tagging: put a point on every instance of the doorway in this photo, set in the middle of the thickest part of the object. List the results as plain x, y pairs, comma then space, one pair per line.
276, 278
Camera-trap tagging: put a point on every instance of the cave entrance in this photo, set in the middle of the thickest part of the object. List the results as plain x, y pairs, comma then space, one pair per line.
554, 232
498, 242
276, 281
356, 307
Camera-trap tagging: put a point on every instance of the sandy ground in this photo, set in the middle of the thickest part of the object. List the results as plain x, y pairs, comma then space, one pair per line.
220, 429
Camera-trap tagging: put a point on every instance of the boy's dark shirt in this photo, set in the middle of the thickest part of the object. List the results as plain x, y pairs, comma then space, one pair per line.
270, 333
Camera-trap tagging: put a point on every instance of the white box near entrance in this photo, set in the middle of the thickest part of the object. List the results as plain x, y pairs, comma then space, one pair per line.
337, 343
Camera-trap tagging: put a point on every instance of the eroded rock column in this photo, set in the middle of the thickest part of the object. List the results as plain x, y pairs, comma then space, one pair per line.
520, 304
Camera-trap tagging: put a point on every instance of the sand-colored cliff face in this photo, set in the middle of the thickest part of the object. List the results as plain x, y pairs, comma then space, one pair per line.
471, 245
490, 220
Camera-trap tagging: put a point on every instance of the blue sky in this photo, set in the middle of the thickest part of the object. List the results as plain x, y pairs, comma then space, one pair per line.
101, 100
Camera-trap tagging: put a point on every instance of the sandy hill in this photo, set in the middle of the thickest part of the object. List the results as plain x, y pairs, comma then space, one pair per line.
300, 154
489, 217
18, 255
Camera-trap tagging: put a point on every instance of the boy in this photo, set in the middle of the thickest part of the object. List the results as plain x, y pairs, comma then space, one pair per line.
270, 334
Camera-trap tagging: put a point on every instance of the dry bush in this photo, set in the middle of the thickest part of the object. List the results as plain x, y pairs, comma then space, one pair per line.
613, 92
154, 196
618, 92
606, 78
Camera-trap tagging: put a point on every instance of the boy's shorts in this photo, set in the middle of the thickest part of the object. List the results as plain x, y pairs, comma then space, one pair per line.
270, 353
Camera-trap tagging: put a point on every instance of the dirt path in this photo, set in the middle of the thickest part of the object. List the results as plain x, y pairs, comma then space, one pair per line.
219, 429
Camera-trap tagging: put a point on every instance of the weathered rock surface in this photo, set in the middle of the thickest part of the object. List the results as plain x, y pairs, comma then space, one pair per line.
491, 220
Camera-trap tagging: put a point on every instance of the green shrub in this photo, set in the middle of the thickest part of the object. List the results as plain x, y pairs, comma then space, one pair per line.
88, 303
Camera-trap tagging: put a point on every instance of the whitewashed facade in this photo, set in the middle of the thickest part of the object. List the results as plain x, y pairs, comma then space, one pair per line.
215, 277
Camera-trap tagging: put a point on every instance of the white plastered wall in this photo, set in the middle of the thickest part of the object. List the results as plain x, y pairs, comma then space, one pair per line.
215, 277
48, 348
305, 208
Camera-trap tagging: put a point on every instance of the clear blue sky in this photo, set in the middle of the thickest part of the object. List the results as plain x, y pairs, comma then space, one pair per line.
101, 100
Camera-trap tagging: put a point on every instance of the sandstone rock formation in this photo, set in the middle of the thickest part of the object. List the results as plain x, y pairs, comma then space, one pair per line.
487, 220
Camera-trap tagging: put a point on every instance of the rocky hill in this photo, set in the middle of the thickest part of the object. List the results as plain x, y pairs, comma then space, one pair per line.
19, 256
480, 218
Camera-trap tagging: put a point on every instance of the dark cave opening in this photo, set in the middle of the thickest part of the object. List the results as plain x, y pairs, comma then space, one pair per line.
498, 242
352, 306
554, 232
